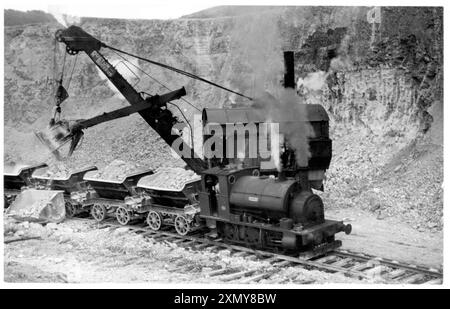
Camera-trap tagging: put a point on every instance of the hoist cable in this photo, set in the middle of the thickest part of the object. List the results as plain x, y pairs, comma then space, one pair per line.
160, 83
71, 74
55, 65
63, 68
155, 80
193, 76
187, 122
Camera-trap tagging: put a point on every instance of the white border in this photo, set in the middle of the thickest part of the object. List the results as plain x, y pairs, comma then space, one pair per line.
139, 4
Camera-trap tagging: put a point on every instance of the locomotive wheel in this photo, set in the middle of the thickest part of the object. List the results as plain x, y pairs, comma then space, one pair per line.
231, 232
252, 236
123, 215
70, 209
181, 225
98, 212
154, 220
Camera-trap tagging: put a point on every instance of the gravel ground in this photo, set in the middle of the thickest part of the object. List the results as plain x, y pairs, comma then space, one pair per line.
389, 238
388, 177
78, 251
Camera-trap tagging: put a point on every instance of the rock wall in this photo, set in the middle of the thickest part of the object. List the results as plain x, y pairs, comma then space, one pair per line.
380, 100
335, 40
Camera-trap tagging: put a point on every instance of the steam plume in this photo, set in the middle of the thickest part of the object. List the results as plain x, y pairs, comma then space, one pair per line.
257, 41
315, 81
64, 19
286, 109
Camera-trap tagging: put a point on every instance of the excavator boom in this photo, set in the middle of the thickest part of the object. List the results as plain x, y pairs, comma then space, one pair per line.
153, 111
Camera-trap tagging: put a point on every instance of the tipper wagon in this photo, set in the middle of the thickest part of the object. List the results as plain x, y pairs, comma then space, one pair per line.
17, 177
71, 183
109, 196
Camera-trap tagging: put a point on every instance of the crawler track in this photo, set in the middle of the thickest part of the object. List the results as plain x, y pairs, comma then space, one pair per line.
352, 264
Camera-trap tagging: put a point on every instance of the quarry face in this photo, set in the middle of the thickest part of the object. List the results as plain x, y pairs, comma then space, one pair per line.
377, 71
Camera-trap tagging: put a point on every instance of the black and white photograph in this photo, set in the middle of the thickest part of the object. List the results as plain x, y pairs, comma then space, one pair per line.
207, 144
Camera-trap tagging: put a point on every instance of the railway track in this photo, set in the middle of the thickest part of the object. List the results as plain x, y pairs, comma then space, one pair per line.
352, 264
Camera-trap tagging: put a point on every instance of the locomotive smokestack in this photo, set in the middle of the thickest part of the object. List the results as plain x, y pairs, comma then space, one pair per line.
289, 74
302, 178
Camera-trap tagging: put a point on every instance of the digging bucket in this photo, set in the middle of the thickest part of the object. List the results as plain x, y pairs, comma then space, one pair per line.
54, 138
38, 206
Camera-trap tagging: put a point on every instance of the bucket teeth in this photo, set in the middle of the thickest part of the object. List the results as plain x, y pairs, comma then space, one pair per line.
49, 143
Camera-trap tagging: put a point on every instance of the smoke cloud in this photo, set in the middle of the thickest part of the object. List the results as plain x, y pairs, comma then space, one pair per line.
285, 108
64, 19
315, 81
257, 41
256, 47
343, 61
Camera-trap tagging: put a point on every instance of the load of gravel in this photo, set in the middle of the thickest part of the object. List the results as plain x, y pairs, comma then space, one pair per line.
115, 171
57, 171
170, 179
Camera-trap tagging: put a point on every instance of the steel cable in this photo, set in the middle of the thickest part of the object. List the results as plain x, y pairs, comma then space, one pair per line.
193, 76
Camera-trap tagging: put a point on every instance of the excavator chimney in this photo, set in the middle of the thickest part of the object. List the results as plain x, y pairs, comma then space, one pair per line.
289, 74
289, 82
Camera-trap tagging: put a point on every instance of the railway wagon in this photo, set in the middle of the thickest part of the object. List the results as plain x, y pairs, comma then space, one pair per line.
108, 198
170, 198
72, 184
17, 177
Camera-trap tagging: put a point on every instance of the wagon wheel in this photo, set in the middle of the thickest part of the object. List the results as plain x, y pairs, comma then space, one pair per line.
98, 212
154, 220
182, 225
123, 215
70, 209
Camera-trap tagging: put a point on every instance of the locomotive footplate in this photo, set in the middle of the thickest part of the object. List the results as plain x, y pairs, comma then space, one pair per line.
320, 250
308, 242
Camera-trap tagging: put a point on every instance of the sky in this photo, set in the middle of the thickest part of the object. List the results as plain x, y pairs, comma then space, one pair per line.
167, 9
133, 9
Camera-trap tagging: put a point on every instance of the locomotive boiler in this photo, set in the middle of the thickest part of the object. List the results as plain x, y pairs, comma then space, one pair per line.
274, 199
